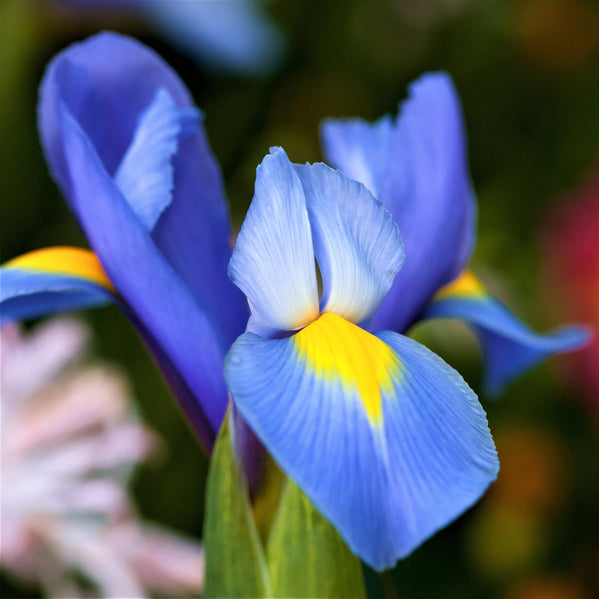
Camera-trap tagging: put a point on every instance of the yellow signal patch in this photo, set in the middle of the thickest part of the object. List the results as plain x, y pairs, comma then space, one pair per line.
338, 350
466, 285
69, 261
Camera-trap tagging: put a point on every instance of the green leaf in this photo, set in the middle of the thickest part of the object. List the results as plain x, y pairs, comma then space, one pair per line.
235, 562
306, 555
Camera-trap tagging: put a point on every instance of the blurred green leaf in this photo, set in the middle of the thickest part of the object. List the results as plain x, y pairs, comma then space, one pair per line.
235, 564
306, 555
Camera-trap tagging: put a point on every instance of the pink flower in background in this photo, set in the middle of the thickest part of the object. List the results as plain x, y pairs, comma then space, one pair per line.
69, 443
572, 246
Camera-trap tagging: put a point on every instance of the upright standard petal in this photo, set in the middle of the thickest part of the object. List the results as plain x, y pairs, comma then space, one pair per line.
108, 83
273, 259
356, 243
417, 167
52, 280
386, 439
510, 348
361, 150
167, 313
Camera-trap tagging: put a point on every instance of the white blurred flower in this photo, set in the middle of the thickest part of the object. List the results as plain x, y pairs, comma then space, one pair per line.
69, 443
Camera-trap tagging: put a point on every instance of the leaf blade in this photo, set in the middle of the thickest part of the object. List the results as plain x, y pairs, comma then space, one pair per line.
306, 555
235, 561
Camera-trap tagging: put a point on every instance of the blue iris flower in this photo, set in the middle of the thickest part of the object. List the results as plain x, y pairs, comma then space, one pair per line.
385, 438
128, 149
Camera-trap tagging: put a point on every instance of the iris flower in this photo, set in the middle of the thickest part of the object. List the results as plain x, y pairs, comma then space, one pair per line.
384, 437
127, 148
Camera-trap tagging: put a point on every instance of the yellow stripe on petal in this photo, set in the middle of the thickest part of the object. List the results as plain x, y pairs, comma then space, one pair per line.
339, 351
466, 286
69, 261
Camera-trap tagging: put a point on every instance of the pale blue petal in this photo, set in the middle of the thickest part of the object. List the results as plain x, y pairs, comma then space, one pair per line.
230, 35
359, 149
273, 259
357, 245
510, 348
386, 486
145, 175
234, 36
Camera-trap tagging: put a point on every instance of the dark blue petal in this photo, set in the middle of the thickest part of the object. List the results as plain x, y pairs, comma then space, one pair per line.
187, 397
384, 437
158, 298
510, 348
417, 167
28, 294
50, 280
107, 83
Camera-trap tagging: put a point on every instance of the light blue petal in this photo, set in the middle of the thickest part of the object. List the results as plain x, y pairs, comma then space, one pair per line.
510, 348
145, 175
417, 166
273, 259
360, 149
357, 245
387, 483
234, 36
27, 294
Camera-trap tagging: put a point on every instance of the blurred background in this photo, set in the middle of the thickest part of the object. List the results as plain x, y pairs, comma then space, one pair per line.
528, 75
